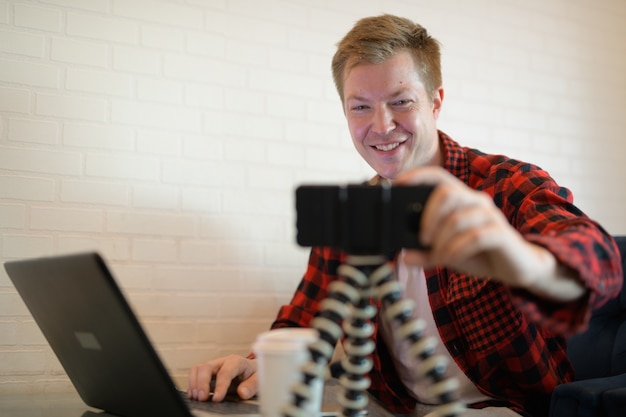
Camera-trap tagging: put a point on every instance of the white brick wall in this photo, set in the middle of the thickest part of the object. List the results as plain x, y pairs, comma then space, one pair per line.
170, 135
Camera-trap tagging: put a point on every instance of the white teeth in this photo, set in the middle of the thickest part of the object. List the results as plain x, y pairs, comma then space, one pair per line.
387, 147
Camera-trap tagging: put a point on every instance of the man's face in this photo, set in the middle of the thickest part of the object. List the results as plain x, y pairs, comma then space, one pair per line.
390, 116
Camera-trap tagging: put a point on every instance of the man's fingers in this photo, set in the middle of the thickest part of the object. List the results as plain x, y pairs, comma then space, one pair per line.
234, 368
200, 377
247, 388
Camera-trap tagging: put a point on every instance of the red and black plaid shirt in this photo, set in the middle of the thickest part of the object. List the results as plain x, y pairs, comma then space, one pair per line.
510, 343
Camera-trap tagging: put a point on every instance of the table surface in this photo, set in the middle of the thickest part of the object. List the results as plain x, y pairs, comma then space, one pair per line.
69, 404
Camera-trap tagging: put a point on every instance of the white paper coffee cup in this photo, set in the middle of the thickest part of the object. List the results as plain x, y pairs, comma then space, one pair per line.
280, 355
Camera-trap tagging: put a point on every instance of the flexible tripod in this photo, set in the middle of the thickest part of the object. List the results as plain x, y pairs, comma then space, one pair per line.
365, 278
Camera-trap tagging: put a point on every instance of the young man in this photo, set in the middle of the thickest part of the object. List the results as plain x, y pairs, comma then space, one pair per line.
512, 267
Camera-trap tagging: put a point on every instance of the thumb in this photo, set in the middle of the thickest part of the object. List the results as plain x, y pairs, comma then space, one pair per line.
248, 388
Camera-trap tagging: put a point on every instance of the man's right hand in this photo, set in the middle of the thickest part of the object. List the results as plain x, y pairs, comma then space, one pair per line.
230, 372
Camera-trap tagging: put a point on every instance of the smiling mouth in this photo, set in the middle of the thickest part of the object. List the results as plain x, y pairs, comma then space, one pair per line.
386, 147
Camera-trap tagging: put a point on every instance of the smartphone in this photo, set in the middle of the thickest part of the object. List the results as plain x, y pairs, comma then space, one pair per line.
360, 219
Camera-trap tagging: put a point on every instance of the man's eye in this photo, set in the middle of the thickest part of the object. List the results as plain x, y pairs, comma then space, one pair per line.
359, 107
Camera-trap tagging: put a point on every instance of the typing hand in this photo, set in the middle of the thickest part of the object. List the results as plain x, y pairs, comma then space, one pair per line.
223, 374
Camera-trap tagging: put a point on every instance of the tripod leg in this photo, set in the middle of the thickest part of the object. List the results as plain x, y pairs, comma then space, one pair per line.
434, 366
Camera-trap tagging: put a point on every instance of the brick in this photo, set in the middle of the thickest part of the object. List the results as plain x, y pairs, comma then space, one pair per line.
246, 52
256, 202
244, 306
98, 136
206, 44
71, 107
161, 197
160, 12
567, 126
94, 192
8, 330
136, 60
112, 248
34, 160
247, 27
161, 37
215, 122
201, 199
255, 103
287, 107
100, 82
159, 143
241, 254
20, 43
283, 82
507, 95
202, 69
242, 335
34, 131
525, 119
261, 127
12, 215
270, 177
302, 132
192, 306
332, 160
282, 154
41, 18
292, 14
102, 28
91, 5
163, 250
324, 112
24, 362
202, 280
159, 90
66, 219
289, 60
156, 116
203, 147
247, 150
26, 246
4, 12
143, 224
24, 188
14, 100
198, 252
121, 167
29, 73
203, 95
245, 228
79, 52
192, 173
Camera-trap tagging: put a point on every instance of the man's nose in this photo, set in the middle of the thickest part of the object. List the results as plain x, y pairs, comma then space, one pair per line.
383, 122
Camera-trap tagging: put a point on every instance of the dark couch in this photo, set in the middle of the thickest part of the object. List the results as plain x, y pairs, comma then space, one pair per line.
599, 358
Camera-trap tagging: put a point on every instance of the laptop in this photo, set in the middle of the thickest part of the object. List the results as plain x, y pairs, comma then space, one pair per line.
91, 328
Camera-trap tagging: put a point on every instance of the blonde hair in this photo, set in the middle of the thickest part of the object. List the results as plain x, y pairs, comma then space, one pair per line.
373, 40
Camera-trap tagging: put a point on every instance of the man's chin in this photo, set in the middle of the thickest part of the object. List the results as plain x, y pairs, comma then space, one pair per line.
387, 173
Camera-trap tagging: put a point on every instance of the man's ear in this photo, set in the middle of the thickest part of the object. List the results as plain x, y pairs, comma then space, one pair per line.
437, 102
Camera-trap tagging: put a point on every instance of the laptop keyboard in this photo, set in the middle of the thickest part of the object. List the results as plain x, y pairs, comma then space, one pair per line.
230, 406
